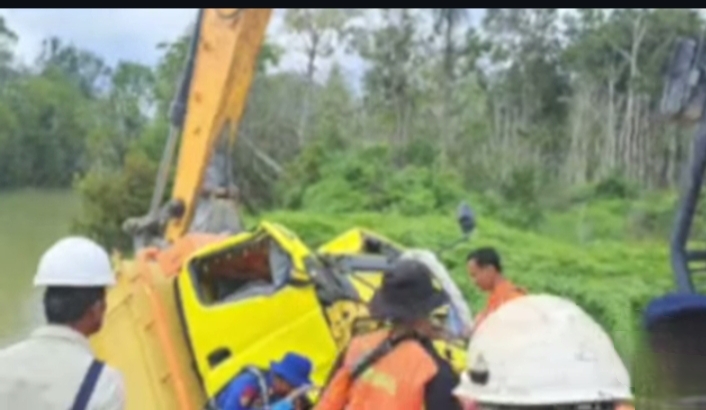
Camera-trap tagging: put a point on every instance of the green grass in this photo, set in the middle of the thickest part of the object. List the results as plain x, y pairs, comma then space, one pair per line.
30, 221
647, 219
611, 279
610, 275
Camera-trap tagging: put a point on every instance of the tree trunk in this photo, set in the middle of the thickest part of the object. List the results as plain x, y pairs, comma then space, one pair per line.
306, 100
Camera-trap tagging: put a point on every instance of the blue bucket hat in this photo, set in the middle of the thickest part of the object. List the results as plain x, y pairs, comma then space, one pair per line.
294, 369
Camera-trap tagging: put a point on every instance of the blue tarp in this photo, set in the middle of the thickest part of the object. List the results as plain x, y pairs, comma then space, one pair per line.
673, 305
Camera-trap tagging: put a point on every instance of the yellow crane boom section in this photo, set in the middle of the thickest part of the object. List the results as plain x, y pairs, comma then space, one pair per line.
229, 42
143, 336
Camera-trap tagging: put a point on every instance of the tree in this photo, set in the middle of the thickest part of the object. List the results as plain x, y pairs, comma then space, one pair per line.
83, 68
7, 40
527, 88
390, 83
617, 57
336, 112
124, 115
446, 24
321, 29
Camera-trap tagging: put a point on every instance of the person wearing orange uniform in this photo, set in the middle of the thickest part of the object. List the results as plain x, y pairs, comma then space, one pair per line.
485, 267
399, 368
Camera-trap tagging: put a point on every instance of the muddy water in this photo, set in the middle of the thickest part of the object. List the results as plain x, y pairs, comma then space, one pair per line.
30, 221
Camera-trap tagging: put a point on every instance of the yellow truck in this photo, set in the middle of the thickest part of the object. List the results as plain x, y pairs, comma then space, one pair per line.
201, 299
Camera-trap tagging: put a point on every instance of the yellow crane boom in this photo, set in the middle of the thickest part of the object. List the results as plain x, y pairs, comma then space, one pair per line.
143, 334
206, 111
229, 42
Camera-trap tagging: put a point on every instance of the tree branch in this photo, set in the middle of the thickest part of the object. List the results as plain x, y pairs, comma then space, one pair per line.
262, 156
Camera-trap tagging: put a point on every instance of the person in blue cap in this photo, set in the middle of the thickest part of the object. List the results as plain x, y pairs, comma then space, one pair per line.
255, 389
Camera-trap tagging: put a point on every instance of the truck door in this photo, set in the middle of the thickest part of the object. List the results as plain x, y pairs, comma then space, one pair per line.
246, 302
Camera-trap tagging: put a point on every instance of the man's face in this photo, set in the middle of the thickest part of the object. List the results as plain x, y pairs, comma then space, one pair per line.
96, 314
483, 276
280, 387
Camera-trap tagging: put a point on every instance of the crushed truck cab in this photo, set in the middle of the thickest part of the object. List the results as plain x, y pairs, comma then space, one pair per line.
183, 321
249, 300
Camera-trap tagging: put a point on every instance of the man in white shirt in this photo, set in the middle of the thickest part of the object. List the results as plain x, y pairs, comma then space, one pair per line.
54, 369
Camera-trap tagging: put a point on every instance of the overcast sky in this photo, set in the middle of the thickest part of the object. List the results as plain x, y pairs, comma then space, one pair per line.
133, 34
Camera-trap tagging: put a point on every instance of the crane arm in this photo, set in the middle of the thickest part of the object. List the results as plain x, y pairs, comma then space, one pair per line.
206, 111
228, 45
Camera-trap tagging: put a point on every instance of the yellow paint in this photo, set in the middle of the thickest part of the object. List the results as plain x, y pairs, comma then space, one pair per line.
259, 329
223, 71
351, 242
454, 351
142, 338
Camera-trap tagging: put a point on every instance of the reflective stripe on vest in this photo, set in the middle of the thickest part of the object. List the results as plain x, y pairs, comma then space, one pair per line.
397, 381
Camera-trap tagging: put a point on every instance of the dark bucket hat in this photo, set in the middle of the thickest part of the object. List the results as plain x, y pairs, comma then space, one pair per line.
407, 293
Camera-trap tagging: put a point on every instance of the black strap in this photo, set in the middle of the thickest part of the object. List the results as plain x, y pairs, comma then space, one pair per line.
87, 386
387, 346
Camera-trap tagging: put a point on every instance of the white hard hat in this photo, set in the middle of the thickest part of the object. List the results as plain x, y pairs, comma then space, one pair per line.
543, 350
75, 261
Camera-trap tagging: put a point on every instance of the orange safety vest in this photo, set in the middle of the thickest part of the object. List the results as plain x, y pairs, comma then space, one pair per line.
504, 292
395, 382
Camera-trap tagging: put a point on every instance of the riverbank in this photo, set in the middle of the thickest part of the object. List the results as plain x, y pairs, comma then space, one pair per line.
30, 220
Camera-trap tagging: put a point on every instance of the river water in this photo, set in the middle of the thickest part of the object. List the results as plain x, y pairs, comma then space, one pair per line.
30, 221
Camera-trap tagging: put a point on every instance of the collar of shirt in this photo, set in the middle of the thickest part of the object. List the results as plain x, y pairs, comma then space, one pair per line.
503, 291
63, 333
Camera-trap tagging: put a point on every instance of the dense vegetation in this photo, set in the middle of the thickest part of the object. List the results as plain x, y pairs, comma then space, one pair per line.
546, 121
